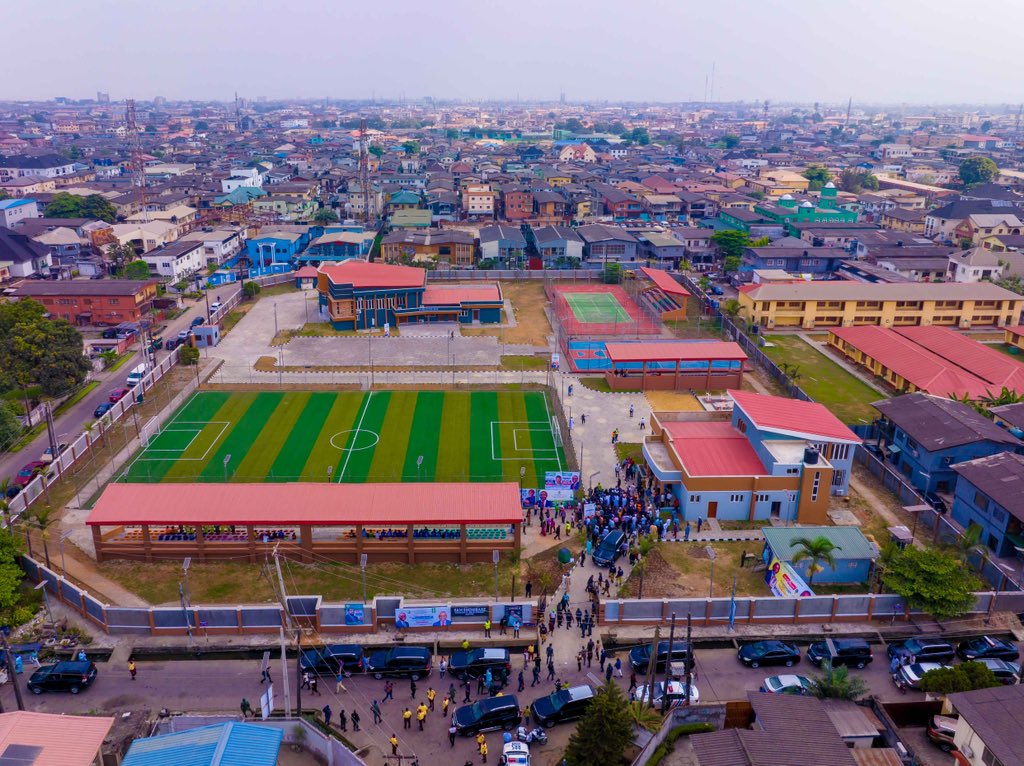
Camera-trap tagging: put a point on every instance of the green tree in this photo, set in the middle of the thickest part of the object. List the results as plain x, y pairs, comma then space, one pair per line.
95, 206
64, 205
817, 177
38, 351
109, 357
11, 574
969, 544
644, 717
324, 216
612, 274
188, 356
731, 308
730, 140
376, 151
451, 134
118, 255
855, 180
251, 289
817, 550
135, 270
604, 732
730, 244
933, 581
837, 683
201, 126
978, 170
986, 126
965, 677
411, 147
4, 195
10, 426
42, 517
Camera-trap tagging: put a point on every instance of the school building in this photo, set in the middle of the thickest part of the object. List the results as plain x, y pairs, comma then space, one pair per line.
773, 458
844, 304
359, 295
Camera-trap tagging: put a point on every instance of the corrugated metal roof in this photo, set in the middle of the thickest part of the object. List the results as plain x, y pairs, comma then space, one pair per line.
363, 275
807, 420
664, 280
223, 744
713, 449
675, 350
66, 740
308, 503
850, 541
977, 358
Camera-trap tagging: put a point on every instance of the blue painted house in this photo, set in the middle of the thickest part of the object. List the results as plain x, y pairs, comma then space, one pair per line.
990, 493
817, 261
359, 295
925, 436
854, 553
338, 246
277, 245
223, 744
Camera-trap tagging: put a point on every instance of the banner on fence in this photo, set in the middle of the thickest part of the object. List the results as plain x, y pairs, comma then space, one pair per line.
589, 510
469, 611
785, 582
561, 485
355, 614
423, 617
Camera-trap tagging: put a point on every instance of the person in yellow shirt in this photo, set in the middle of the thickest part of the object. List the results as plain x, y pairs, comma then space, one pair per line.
407, 719
444, 705
483, 753
481, 740
393, 739
431, 694
421, 714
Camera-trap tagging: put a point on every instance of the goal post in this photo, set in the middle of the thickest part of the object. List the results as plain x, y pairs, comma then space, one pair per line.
149, 431
556, 432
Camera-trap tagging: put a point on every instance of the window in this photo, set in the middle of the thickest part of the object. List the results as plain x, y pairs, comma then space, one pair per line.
989, 759
815, 486
839, 478
736, 498
840, 451
981, 501
762, 498
694, 498
792, 471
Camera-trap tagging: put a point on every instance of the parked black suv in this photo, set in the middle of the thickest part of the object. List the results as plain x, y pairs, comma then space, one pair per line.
922, 650
640, 656
475, 663
328, 660
408, 661
609, 549
987, 648
564, 705
760, 653
68, 676
487, 715
852, 652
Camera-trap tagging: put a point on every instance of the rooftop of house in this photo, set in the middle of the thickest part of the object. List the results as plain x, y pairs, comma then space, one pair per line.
938, 423
849, 541
792, 417
1000, 477
997, 716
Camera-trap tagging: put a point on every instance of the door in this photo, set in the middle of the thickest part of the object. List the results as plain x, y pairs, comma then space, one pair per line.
776, 509
713, 509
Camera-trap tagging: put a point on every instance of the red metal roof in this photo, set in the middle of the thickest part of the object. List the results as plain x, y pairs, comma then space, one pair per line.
983, 361
713, 448
926, 370
807, 420
1016, 329
314, 503
306, 271
664, 281
674, 350
362, 274
442, 295
66, 740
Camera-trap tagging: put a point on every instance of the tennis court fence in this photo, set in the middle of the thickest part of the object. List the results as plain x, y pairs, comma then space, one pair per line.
566, 324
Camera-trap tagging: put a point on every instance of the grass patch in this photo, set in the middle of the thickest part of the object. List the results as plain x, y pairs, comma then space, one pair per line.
82, 393
238, 583
528, 304
524, 362
120, 362
596, 384
632, 450
677, 570
325, 330
1011, 351
823, 380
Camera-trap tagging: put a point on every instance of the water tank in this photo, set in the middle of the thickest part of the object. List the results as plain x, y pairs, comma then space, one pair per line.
810, 456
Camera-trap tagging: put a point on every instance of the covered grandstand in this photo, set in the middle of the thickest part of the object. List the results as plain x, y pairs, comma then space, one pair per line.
675, 365
665, 295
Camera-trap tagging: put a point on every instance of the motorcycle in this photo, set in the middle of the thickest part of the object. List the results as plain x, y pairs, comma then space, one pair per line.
537, 735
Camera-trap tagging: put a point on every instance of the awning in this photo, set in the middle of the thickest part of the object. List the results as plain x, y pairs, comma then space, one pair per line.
893, 449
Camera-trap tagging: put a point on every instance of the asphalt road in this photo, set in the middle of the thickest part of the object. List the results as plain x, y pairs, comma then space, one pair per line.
218, 686
69, 424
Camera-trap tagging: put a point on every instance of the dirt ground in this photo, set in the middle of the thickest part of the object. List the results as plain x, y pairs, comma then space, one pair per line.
673, 401
528, 302
680, 570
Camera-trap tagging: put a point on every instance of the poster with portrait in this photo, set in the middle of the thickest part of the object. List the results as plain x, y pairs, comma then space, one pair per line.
785, 582
561, 485
354, 614
423, 617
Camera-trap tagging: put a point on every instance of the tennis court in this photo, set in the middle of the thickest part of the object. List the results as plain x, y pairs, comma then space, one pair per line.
594, 308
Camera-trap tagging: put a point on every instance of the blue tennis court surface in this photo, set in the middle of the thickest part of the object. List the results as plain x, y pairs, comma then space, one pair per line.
592, 356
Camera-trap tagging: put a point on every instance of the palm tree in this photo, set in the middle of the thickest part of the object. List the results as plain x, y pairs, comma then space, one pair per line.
837, 683
42, 519
645, 717
817, 550
969, 543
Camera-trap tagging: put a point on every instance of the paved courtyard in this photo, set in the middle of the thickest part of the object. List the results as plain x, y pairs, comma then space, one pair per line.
392, 352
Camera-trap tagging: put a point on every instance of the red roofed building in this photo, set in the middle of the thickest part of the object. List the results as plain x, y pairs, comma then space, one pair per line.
675, 365
665, 294
360, 295
775, 458
388, 522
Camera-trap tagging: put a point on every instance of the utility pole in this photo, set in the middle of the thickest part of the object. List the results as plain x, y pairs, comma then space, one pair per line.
689, 658
284, 656
51, 432
10, 670
651, 664
668, 664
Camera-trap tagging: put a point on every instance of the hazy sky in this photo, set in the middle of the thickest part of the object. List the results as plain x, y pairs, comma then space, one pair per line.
894, 51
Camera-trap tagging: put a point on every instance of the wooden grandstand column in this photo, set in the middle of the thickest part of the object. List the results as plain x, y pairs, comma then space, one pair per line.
643, 375
707, 383
411, 544
97, 542
359, 542
675, 381
306, 541
519, 534
463, 544
250, 533
200, 542
147, 543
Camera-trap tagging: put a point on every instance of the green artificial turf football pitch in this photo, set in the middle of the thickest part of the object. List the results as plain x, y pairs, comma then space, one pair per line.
353, 436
